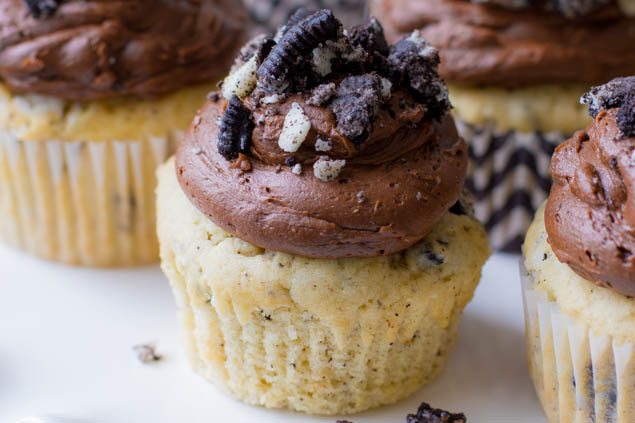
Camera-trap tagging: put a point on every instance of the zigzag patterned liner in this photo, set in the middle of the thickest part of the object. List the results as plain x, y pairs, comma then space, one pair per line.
509, 179
579, 377
83, 203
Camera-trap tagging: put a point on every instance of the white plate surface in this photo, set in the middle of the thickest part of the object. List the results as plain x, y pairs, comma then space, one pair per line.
66, 336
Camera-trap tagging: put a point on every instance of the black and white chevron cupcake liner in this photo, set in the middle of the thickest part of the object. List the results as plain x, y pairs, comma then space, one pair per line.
509, 179
270, 14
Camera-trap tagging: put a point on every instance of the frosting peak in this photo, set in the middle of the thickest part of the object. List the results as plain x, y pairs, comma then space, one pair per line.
590, 214
88, 50
351, 150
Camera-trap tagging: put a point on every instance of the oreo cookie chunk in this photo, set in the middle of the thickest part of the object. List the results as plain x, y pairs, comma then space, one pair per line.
413, 62
235, 129
356, 104
40, 9
609, 95
617, 93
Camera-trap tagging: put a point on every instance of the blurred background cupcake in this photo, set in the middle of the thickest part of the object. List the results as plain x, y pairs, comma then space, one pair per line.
93, 96
312, 230
515, 71
271, 14
579, 285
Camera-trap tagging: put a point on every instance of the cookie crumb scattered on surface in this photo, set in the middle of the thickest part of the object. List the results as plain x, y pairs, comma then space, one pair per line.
146, 353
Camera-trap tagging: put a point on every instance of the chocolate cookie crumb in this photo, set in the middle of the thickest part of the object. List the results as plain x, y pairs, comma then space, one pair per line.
214, 97
321, 94
41, 9
235, 130
413, 63
146, 353
427, 414
626, 115
357, 101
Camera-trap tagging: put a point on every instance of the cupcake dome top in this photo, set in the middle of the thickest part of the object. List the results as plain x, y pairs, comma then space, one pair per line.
590, 214
89, 49
327, 143
517, 43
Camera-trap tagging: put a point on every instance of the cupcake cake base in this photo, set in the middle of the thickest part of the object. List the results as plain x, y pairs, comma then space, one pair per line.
318, 336
77, 179
580, 340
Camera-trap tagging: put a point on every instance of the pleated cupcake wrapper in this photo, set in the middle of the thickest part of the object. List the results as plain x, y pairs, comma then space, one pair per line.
580, 377
84, 203
290, 360
509, 178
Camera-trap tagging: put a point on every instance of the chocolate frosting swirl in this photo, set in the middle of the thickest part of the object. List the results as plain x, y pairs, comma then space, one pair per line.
88, 50
401, 175
482, 44
590, 214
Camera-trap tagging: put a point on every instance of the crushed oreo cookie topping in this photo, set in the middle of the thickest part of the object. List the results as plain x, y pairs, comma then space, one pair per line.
235, 130
356, 103
40, 9
413, 62
351, 74
427, 414
617, 93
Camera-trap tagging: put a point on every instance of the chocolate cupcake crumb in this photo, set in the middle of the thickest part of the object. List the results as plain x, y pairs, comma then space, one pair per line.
41, 9
235, 130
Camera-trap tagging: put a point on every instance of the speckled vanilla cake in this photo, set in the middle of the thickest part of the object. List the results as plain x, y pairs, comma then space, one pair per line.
93, 96
311, 226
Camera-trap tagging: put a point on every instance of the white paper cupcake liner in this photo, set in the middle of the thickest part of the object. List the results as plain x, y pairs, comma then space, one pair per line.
83, 203
579, 376
509, 178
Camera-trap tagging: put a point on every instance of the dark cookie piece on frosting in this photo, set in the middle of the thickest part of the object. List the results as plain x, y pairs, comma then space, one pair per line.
413, 62
626, 116
608, 96
427, 414
356, 103
618, 93
279, 68
42, 8
235, 130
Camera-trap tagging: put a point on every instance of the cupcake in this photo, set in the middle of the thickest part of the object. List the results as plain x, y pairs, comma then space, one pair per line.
271, 14
579, 285
311, 224
515, 70
93, 96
